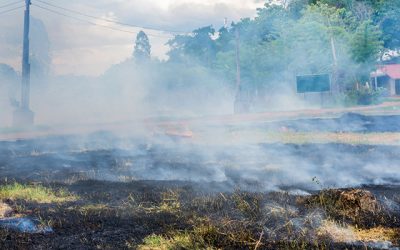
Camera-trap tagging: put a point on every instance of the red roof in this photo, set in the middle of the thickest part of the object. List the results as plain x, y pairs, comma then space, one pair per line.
392, 70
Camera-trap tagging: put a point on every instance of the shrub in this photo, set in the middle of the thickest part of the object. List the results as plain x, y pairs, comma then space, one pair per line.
364, 96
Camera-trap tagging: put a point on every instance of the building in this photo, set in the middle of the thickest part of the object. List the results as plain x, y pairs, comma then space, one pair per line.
388, 77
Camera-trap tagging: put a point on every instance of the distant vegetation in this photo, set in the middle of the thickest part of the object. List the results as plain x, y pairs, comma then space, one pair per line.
344, 38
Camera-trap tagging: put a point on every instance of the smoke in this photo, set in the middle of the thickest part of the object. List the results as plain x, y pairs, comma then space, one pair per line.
130, 91
133, 90
157, 102
40, 58
213, 155
8, 93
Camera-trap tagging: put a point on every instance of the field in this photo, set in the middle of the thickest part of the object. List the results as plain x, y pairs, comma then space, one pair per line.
296, 184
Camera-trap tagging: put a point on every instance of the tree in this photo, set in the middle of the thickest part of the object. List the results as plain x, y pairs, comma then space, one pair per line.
366, 43
225, 40
388, 18
296, 7
199, 47
347, 4
365, 47
270, 22
340, 37
142, 47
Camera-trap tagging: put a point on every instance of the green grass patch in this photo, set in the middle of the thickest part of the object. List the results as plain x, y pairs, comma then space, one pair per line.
35, 193
176, 241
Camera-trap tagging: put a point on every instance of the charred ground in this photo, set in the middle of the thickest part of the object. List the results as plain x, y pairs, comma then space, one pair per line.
264, 195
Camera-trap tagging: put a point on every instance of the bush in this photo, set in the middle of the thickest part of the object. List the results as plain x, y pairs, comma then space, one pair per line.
364, 96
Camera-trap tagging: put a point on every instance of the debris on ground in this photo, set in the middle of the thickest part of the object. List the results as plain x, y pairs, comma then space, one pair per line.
5, 210
351, 205
24, 225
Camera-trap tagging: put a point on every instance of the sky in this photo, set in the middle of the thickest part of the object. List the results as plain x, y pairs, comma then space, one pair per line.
79, 48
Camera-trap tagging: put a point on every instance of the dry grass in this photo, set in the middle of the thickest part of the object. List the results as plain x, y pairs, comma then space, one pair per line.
291, 137
377, 234
251, 220
89, 209
348, 233
178, 218
169, 203
5, 210
344, 138
352, 205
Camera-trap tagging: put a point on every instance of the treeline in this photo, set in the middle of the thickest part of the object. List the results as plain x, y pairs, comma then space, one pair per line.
345, 38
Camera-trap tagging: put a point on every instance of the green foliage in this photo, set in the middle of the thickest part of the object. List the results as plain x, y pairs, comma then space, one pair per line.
388, 19
310, 40
142, 50
366, 43
199, 46
348, 4
364, 96
296, 7
343, 38
224, 42
175, 241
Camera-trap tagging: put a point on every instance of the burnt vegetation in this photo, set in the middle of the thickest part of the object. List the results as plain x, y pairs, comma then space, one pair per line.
181, 216
321, 179
91, 193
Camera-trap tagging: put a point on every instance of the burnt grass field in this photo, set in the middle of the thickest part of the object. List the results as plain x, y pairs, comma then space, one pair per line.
119, 193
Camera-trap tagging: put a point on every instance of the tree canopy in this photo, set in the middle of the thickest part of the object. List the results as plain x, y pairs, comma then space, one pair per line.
344, 38
298, 36
142, 50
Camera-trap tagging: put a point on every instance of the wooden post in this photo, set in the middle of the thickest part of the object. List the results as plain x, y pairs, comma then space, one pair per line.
26, 67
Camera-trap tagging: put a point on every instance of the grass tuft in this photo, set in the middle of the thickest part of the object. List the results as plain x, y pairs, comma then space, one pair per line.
176, 241
35, 193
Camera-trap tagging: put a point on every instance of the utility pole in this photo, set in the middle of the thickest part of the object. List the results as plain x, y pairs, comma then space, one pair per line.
23, 116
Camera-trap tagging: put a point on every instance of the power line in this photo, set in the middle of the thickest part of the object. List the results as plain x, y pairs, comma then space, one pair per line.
111, 21
9, 4
10, 10
92, 23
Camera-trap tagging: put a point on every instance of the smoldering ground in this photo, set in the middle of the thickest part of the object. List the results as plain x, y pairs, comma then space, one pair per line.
220, 192
253, 166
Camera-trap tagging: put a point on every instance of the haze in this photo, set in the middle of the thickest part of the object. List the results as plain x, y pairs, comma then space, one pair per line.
79, 48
